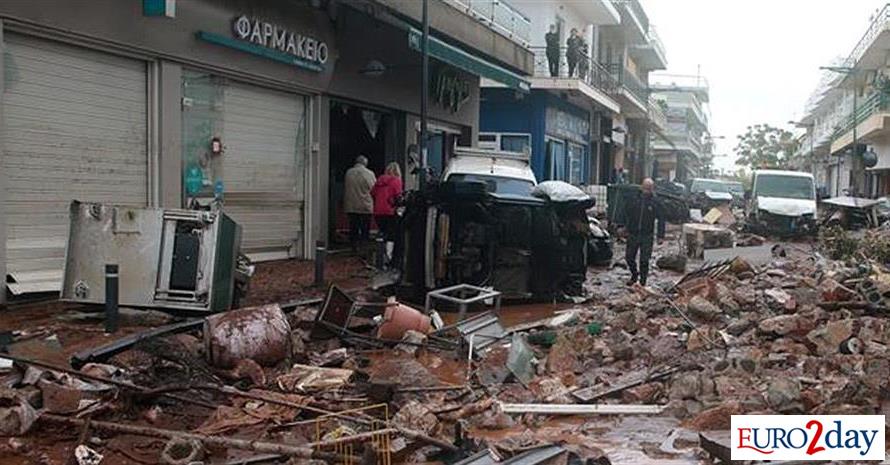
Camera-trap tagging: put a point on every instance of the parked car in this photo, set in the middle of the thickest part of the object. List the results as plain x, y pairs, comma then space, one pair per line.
782, 202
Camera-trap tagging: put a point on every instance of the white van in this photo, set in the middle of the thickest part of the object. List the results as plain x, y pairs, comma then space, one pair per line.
782, 202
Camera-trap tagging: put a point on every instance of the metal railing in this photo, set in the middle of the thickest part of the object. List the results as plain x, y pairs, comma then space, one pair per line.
629, 81
874, 103
878, 24
498, 15
656, 114
656, 42
587, 69
634, 7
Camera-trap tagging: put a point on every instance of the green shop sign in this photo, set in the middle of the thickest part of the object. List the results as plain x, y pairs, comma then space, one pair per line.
271, 41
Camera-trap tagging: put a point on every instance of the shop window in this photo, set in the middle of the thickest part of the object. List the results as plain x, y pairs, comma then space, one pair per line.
556, 160
576, 163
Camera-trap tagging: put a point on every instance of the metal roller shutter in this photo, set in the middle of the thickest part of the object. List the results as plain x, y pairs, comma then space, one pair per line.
75, 127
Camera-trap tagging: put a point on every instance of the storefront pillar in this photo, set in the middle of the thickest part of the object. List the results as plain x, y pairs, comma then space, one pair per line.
2, 182
316, 216
169, 166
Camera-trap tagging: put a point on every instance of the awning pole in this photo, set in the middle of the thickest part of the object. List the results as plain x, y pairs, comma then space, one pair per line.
424, 92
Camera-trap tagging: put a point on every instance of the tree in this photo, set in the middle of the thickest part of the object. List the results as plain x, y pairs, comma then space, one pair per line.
765, 146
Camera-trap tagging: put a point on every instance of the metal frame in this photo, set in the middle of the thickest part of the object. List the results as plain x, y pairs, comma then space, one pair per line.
462, 302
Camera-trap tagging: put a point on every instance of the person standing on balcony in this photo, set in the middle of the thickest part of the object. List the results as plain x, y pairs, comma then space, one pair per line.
552, 40
573, 50
584, 63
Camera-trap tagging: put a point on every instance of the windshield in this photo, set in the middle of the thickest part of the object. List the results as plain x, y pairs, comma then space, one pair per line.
736, 188
497, 184
786, 187
704, 185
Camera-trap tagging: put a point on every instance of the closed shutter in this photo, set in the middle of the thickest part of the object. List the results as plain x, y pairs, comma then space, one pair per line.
74, 128
263, 168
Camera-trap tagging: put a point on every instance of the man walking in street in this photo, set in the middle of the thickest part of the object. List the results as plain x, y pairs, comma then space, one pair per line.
357, 201
573, 50
552, 40
641, 212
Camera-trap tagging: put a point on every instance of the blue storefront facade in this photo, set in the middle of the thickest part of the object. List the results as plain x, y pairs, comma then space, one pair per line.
555, 131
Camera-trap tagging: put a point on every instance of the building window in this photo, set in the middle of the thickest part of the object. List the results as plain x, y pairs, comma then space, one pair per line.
511, 142
576, 161
556, 160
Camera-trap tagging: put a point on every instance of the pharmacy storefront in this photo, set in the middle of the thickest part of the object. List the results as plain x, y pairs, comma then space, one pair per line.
105, 102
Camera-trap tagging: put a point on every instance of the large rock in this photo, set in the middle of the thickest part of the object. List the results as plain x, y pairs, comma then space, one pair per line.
828, 338
783, 395
702, 309
783, 325
716, 418
726, 299
685, 386
700, 237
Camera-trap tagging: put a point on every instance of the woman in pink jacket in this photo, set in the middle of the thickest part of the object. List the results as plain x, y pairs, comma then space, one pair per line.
385, 192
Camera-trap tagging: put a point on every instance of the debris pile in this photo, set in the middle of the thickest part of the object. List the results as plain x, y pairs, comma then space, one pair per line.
363, 378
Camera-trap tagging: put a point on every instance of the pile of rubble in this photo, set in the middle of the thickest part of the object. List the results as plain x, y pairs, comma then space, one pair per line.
351, 379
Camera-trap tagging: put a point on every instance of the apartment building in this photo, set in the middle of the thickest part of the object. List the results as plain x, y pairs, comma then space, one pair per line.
847, 118
588, 113
683, 148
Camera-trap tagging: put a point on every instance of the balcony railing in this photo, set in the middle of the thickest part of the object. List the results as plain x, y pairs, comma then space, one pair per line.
875, 103
656, 42
631, 82
498, 15
587, 70
656, 114
878, 24
634, 7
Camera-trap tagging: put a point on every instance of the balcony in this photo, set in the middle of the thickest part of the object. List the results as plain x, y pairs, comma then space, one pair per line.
634, 19
870, 51
871, 119
651, 55
589, 77
657, 116
499, 16
635, 91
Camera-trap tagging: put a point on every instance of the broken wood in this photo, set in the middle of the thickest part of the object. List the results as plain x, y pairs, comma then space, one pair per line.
221, 441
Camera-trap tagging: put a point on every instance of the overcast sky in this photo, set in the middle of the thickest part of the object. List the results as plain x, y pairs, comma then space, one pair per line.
761, 57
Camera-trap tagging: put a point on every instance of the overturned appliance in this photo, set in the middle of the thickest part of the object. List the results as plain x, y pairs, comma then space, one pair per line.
168, 259
525, 246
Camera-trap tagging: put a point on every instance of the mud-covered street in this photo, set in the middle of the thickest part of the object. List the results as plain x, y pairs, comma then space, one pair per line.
629, 375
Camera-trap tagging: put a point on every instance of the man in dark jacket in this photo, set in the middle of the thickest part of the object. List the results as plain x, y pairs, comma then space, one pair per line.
573, 50
640, 215
552, 40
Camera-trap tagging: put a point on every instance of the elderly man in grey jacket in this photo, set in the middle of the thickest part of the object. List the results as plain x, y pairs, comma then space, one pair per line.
357, 200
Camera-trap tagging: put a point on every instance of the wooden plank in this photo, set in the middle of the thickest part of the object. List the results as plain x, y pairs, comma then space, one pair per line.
583, 409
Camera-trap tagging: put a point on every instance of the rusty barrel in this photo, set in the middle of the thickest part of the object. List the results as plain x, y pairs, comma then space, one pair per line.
261, 334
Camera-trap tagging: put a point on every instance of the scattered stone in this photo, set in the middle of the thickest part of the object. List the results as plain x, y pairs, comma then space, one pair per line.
715, 418
737, 327
829, 337
783, 395
726, 299
783, 325
701, 309
781, 300
685, 386
701, 338
416, 416
674, 262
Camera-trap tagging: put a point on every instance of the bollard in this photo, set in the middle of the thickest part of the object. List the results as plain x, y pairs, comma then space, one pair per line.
320, 253
111, 298
381, 253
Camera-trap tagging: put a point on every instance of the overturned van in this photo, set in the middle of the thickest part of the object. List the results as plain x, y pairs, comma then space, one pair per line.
527, 245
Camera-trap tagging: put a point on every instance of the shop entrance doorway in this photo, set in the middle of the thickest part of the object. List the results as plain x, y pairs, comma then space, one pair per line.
354, 131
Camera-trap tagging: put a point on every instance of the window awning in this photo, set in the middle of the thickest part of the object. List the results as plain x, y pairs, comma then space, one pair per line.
456, 57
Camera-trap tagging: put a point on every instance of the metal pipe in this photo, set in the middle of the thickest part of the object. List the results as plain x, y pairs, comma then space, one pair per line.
111, 298
320, 253
424, 92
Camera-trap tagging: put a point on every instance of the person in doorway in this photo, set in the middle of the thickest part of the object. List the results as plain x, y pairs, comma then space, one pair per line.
357, 201
552, 40
386, 193
573, 50
640, 214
